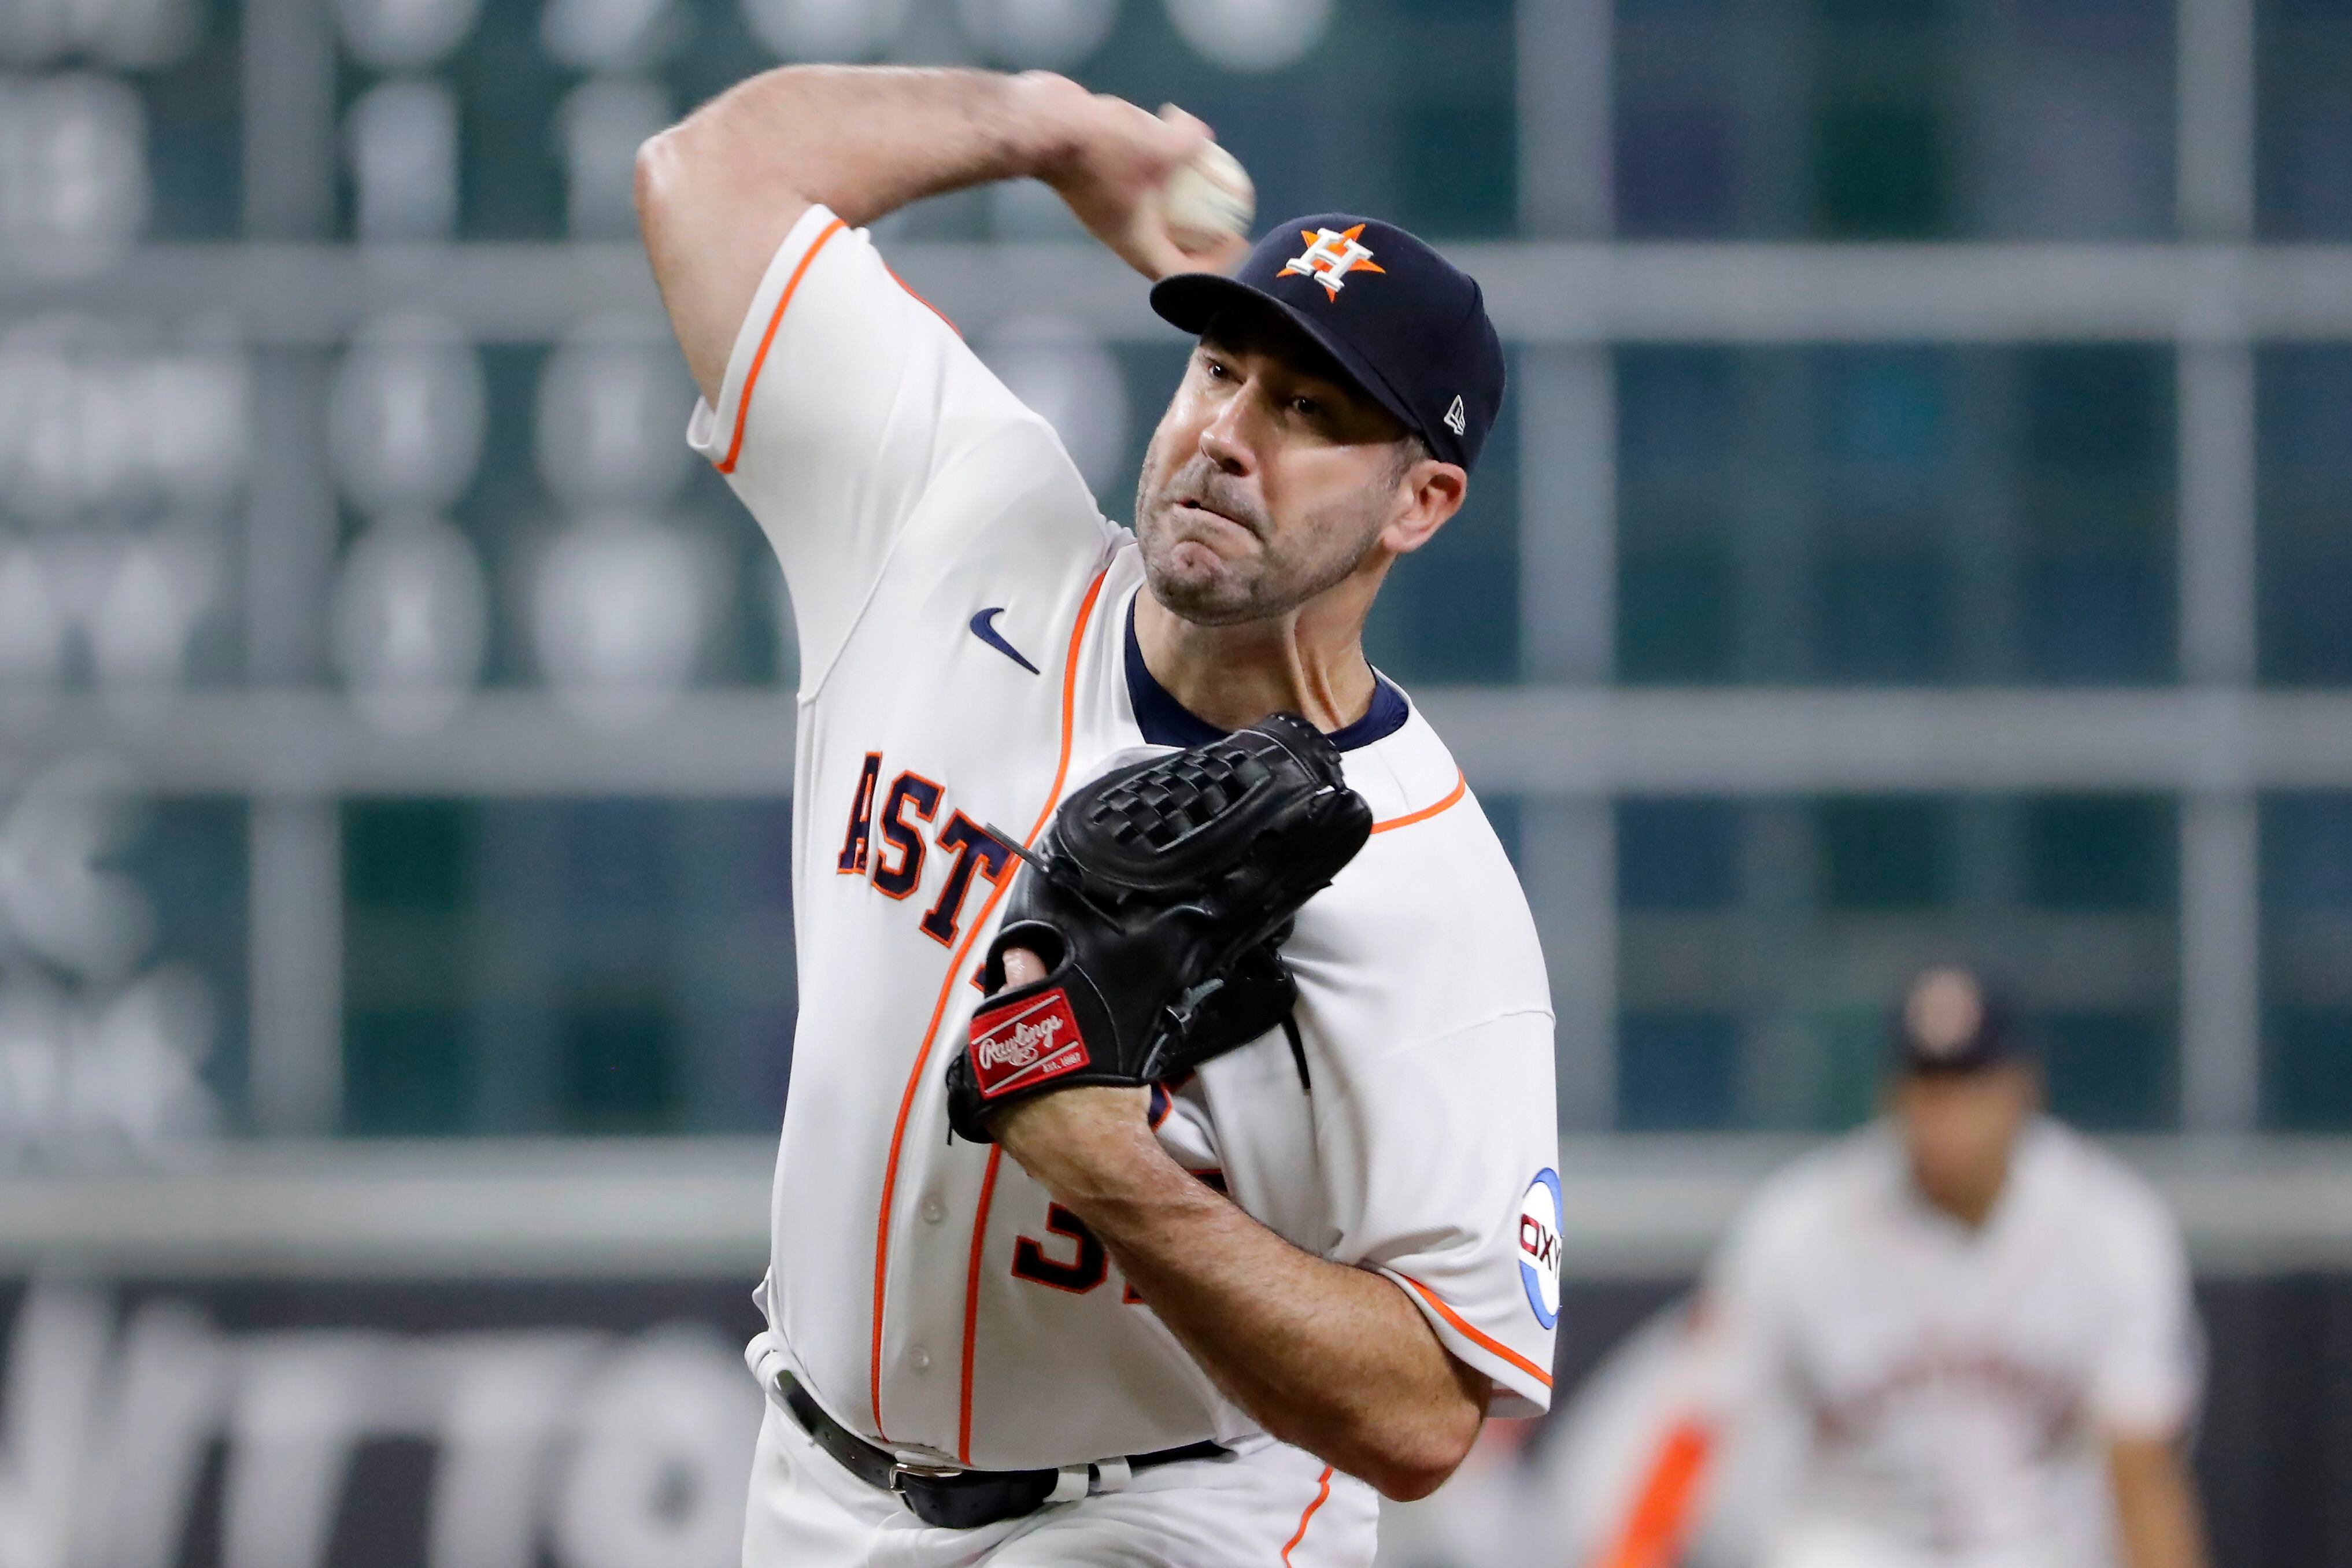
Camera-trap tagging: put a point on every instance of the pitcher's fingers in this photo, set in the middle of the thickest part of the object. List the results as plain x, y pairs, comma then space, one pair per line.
1022, 966
1184, 120
1226, 256
1148, 248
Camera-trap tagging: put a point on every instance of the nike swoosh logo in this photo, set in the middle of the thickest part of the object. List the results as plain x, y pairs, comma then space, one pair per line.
983, 626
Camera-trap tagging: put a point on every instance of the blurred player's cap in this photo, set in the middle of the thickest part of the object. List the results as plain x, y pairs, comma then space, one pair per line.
1409, 325
1951, 1022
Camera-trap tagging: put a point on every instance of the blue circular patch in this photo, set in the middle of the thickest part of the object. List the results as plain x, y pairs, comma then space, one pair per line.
1538, 1241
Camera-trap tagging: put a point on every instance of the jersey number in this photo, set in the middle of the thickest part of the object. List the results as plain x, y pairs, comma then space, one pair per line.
1081, 1274
1091, 1267
895, 867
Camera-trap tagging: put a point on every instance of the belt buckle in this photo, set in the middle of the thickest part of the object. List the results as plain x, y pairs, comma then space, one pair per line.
900, 1473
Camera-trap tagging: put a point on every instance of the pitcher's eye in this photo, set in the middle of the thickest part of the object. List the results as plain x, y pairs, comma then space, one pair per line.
1308, 407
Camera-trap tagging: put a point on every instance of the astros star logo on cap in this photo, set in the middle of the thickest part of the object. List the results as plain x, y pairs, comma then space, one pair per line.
1330, 258
1945, 1013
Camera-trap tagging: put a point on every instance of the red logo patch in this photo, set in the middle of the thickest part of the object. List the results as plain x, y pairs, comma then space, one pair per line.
1024, 1045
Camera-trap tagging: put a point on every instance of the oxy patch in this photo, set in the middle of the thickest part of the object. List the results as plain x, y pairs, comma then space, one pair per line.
1540, 1217
1025, 1044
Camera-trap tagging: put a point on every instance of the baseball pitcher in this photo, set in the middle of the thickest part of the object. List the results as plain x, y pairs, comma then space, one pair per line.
1168, 1164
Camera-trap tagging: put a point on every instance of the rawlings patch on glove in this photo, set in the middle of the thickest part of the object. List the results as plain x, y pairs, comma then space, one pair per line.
1157, 900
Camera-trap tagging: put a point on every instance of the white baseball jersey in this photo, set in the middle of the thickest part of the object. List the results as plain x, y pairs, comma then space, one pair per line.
967, 659
1958, 1387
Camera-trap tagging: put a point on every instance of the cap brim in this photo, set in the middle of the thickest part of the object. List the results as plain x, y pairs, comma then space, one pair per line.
1190, 301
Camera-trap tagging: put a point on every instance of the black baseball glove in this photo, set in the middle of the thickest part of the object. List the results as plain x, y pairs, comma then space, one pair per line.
1157, 900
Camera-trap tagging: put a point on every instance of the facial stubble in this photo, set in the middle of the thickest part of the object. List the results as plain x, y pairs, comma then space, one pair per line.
1293, 564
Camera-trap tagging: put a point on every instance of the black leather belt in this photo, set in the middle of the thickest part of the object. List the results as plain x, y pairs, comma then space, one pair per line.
960, 1500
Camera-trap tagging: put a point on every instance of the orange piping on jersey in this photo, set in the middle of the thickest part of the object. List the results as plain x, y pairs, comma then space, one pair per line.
1484, 1342
926, 304
1322, 1492
1461, 788
988, 1186
947, 989
971, 1300
725, 465
1653, 1533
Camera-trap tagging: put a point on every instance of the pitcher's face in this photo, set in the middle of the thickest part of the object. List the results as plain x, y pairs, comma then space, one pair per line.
1271, 477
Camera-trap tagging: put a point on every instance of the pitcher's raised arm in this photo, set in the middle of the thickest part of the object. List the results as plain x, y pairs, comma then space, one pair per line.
718, 192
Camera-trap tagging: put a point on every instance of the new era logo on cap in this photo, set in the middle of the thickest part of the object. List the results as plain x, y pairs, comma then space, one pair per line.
1455, 419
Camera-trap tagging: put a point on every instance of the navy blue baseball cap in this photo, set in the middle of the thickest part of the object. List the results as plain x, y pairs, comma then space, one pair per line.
1409, 325
1952, 1022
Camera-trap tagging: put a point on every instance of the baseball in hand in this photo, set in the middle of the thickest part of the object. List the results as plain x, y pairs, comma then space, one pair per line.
1208, 201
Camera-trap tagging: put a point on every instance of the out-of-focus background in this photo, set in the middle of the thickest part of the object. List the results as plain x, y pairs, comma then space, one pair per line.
1920, 527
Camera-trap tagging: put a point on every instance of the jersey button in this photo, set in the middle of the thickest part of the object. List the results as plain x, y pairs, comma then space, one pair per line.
919, 1359
934, 1211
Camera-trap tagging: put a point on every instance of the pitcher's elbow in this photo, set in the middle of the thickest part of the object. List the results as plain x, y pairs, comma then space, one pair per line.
1410, 1466
1410, 1479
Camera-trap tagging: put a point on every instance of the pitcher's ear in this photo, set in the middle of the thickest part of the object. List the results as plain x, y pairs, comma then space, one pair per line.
1438, 490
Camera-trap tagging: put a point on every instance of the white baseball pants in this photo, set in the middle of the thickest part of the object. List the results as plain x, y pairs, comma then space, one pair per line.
1276, 1507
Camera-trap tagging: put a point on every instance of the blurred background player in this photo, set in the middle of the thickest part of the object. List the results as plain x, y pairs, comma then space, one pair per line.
1981, 1322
